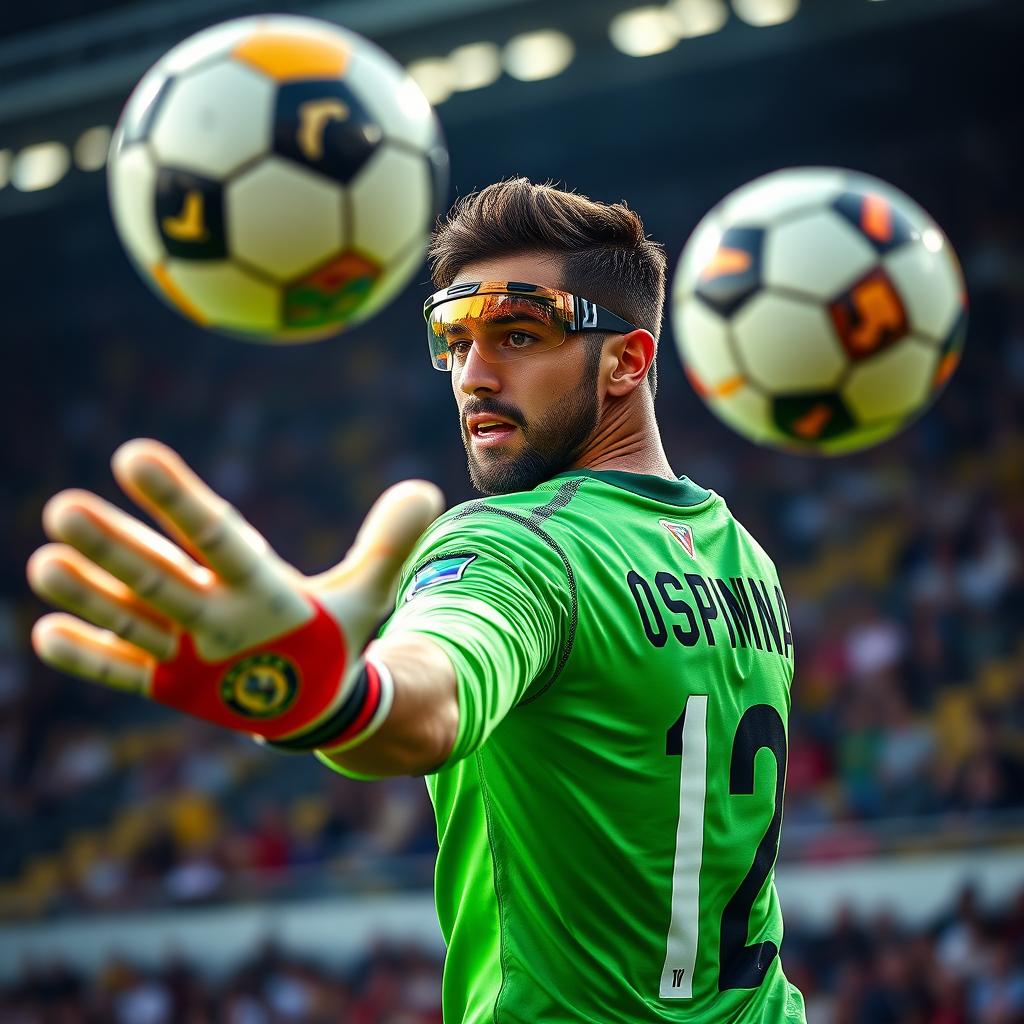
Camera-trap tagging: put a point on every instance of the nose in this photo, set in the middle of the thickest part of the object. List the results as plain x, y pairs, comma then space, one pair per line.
476, 375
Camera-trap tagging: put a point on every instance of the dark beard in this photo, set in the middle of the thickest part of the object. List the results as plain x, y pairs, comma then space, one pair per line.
550, 446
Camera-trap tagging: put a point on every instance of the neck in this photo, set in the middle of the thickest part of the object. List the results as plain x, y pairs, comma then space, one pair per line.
627, 439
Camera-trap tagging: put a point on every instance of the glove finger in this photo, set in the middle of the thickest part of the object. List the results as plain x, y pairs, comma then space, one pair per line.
157, 572
386, 538
159, 480
73, 646
60, 575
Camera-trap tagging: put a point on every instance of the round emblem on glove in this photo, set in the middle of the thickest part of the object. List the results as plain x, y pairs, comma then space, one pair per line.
260, 686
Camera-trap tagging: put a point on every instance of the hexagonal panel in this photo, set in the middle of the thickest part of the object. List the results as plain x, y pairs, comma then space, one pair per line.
190, 215
812, 418
283, 219
215, 120
763, 201
859, 438
930, 283
787, 345
322, 125
137, 117
882, 224
392, 203
818, 252
395, 99
702, 338
294, 51
224, 295
869, 317
732, 272
132, 179
748, 412
893, 384
699, 249
331, 295
206, 45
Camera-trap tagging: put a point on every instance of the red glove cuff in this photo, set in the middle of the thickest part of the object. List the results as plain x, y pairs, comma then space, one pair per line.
278, 688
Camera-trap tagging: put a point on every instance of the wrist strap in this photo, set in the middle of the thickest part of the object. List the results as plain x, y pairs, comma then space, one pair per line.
370, 694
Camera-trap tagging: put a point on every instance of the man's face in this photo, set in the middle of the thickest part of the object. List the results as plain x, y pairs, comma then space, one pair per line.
548, 401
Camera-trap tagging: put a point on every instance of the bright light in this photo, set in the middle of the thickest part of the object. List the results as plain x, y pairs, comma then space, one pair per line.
763, 13
40, 166
932, 239
536, 55
643, 31
434, 75
697, 17
475, 65
5, 167
91, 148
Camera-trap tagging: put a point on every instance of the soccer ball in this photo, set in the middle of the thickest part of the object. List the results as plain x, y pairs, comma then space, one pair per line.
818, 310
277, 178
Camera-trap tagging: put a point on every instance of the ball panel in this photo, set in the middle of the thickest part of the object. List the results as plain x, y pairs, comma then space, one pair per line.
860, 438
145, 102
225, 296
765, 200
392, 203
207, 45
812, 418
215, 120
190, 215
930, 283
699, 248
704, 346
748, 412
732, 272
322, 125
787, 345
333, 294
174, 295
876, 218
870, 316
893, 384
392, 281
287, 54
283, 219
132, 179
817, 252
405, 115
950, 352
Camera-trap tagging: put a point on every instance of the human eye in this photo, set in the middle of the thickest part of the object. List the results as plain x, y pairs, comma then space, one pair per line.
459, 346
519, 339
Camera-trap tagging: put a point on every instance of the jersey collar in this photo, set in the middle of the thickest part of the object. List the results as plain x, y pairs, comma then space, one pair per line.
682, 492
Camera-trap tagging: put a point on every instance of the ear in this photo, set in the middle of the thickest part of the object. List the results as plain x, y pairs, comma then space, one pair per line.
633, 354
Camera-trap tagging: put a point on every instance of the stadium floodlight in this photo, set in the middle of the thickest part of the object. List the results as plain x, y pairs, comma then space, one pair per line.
536, 55
40, 166
435, 76
644, 31
475, 66
695, 18
91, 148
763, 13
5, 167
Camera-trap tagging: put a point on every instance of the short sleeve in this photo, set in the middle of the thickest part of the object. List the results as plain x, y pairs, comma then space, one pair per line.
494, 592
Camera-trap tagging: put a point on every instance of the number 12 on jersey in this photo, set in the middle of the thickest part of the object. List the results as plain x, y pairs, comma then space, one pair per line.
740, 965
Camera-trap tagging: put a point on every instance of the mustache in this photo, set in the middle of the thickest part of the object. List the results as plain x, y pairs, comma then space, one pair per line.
492, 407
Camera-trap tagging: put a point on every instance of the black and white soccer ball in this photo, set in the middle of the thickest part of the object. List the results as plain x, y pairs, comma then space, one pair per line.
277, 178
818, 310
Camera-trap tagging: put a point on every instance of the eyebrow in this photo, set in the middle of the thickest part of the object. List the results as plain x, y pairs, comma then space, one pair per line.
457, 328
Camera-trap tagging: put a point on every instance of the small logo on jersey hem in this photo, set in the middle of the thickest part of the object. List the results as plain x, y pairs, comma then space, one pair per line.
441, 570
682, 533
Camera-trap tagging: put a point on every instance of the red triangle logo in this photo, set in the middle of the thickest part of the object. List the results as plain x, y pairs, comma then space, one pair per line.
682, 533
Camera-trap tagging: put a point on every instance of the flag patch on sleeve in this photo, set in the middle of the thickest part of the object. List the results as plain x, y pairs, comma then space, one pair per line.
442, 570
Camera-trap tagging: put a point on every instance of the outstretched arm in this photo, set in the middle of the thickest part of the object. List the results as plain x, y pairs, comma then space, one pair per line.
220, 627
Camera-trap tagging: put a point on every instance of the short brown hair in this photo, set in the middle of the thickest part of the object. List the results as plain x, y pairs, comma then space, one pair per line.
606, 255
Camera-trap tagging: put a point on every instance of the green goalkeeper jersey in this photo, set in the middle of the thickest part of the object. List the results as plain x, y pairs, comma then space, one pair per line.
609, 817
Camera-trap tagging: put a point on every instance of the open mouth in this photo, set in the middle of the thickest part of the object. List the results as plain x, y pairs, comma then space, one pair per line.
487, 430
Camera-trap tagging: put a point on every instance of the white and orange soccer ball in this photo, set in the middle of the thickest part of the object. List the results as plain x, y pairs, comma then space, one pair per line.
277, 178
818, 310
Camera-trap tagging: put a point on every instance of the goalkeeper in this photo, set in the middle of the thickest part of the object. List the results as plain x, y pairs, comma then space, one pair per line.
590, 665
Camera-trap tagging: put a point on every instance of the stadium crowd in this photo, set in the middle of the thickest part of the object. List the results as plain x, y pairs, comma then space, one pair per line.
966, 967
